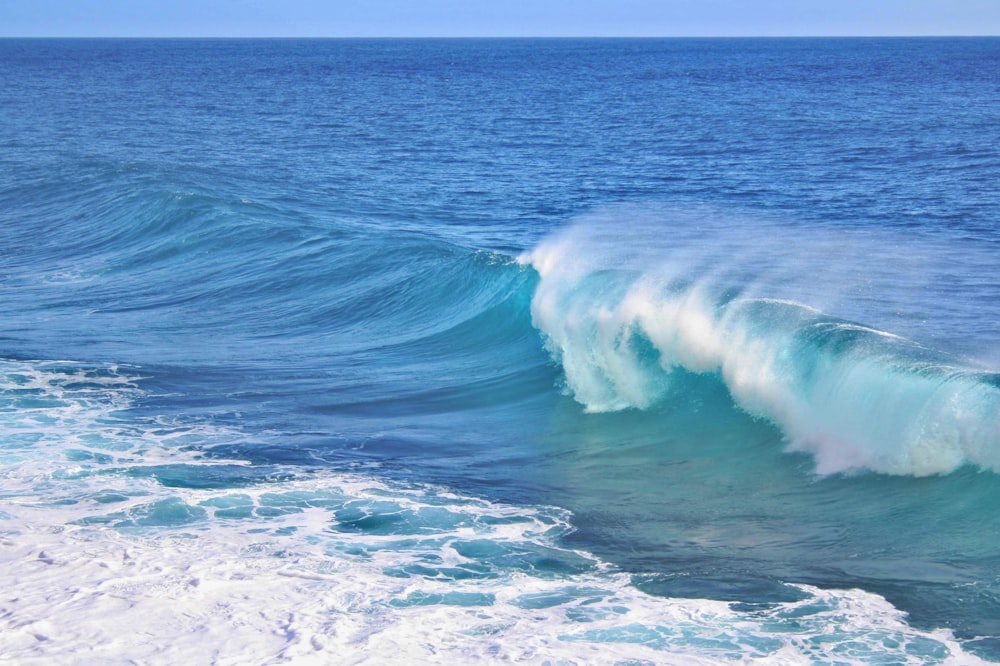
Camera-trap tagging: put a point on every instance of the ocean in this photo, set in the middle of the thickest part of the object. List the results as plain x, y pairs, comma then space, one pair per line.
572, 351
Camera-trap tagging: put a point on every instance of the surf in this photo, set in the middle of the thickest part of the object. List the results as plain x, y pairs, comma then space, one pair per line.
113, 514
627, 299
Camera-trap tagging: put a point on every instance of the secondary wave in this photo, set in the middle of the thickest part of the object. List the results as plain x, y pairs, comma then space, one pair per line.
628, 305
161, 275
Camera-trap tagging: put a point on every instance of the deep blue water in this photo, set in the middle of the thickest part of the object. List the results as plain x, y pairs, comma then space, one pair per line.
557, 343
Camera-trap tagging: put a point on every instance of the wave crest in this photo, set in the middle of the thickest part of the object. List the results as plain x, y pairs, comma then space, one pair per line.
624, 311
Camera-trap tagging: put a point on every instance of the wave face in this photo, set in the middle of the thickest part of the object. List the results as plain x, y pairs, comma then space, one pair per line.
626, 300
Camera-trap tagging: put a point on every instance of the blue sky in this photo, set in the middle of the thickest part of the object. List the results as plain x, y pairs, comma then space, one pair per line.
375, 18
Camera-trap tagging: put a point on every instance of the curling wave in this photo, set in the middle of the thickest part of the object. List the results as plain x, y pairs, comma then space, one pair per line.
623, 307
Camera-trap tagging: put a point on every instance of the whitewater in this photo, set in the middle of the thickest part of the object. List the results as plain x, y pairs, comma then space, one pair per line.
543, 351
111, 525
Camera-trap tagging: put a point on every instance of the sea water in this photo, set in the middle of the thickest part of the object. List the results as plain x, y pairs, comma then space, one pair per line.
552, 351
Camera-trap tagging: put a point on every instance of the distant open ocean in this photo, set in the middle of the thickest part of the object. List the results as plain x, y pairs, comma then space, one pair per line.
573, 351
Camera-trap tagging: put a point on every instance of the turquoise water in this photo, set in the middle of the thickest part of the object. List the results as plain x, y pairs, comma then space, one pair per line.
602, 351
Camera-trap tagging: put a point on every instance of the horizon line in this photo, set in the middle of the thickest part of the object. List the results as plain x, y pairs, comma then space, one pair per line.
510, 37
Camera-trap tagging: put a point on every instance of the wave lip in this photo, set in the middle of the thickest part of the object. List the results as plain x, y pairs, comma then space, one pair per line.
623, 316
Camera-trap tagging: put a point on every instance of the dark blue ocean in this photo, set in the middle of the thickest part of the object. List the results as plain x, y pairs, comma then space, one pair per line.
542, 351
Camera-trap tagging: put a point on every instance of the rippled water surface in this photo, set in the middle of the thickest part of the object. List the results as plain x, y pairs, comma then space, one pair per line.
602, 351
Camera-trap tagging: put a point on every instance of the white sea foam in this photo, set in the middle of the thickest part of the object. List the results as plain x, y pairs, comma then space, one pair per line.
104, 564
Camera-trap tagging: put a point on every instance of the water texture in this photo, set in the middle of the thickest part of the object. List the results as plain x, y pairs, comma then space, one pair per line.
558, 351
